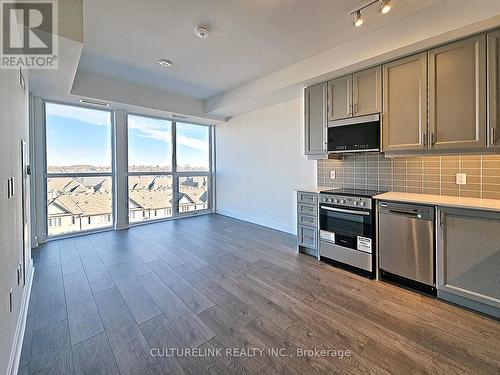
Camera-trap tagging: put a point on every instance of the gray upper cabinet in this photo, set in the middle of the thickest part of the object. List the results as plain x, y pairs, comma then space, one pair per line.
357, 94
340, 98
468, 261
493, 89
404, 119
367, 92
315, 119
457, 95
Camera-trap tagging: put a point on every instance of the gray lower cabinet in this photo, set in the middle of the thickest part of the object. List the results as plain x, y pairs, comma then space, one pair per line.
468, 258
308, 237
307, 222
315, 121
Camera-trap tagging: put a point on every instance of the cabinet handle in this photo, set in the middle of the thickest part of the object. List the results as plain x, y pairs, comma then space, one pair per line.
433, 140
493, 136
424, 140
355, 108
441, 219
349, 109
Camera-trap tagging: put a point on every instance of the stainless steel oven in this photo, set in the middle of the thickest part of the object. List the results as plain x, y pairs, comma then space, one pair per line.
347, 230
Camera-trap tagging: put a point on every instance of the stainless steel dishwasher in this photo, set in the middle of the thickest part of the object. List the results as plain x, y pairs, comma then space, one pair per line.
406, 244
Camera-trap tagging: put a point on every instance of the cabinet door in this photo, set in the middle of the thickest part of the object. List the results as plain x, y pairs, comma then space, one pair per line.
367, 91
457, 95
468, 255
404, 120
307, 237
493, 89
315, 119
340, 98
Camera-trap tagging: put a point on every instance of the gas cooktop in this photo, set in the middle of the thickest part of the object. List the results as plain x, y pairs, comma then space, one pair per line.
354, 192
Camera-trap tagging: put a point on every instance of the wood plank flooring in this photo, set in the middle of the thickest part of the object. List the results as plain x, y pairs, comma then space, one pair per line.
101, 302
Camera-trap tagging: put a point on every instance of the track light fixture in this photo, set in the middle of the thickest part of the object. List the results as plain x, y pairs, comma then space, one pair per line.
385, 7
358, 20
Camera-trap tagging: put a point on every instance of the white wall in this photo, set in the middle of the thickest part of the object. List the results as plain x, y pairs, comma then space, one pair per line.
260, 162
13, 129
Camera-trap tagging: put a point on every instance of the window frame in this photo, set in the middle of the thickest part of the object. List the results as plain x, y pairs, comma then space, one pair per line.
175, 174
47, 175
40, 125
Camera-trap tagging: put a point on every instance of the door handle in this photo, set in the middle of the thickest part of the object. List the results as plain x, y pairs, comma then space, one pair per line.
363, 213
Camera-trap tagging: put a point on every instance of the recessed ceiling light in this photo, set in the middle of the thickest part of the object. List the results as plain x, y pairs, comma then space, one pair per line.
358, 20
385, 6
165, 63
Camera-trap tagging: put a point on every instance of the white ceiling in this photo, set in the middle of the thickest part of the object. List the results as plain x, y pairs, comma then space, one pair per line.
258, 53
123, 39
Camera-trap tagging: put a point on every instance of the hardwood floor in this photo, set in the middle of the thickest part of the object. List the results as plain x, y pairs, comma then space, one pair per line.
101, 302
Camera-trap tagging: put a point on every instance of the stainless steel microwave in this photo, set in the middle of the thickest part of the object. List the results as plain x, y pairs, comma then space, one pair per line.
358, 134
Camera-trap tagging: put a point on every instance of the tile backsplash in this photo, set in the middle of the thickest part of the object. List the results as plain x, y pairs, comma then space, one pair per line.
415, 174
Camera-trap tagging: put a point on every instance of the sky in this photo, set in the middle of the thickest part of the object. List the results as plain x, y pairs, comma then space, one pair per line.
77, 135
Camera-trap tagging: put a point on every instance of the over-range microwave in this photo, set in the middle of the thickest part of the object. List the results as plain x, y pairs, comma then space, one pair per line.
358, 134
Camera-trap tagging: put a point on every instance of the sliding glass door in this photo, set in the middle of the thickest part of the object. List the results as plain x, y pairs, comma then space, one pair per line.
79, 170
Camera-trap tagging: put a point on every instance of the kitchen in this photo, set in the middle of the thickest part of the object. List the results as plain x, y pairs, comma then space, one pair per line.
407, 152
250, 187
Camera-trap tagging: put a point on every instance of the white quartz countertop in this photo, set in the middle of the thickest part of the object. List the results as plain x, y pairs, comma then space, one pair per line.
314, 189
442, 200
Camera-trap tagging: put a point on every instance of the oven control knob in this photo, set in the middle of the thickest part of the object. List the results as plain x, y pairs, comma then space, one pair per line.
342, 201
331, 200
363, 203
355, 203
325, 199
335, 200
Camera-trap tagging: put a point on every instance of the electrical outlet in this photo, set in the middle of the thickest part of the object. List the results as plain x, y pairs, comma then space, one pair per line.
461, 179
332, 175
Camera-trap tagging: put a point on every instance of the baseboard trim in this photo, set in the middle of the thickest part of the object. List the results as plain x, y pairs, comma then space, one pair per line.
17, 346
257, 220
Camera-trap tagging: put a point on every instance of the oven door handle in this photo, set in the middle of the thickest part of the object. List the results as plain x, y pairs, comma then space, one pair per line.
364, 213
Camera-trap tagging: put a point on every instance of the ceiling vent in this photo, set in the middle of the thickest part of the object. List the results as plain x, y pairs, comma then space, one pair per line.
179, 117
94, 102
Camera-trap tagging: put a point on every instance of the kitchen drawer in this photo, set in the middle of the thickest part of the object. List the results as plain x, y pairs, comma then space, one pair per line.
311, 221
308, 198
307, 209
307, 237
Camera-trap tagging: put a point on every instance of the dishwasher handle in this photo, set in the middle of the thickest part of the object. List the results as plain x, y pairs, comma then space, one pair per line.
413, 211
416, 215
